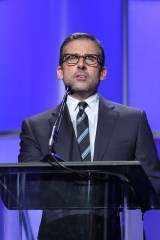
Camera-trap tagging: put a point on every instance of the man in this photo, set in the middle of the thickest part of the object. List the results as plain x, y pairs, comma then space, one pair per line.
116, 132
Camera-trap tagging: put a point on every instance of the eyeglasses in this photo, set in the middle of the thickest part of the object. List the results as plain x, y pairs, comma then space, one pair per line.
89, 59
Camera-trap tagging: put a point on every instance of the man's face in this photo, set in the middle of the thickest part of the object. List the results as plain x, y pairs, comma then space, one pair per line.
82, 78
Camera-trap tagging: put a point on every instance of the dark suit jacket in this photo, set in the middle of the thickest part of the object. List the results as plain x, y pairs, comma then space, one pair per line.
123, 133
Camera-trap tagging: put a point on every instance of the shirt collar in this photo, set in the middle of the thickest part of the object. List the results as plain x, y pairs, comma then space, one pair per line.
72, 103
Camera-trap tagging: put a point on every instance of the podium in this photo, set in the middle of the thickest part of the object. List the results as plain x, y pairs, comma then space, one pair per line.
84, 200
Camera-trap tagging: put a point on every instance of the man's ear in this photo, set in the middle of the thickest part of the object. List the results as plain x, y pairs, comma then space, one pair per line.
59, 73
103, 73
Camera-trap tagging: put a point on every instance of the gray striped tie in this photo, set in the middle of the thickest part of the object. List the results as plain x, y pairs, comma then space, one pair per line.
83, 132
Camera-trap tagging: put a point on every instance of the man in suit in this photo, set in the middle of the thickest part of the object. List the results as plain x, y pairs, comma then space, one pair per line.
116, 132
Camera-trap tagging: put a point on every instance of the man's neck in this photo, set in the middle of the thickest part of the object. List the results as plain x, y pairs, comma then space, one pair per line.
81, 96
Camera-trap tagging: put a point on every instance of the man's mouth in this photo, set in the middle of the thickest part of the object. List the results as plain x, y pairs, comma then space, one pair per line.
81, 76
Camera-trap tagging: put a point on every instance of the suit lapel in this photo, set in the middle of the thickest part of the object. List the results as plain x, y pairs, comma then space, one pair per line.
107, 118
66, 145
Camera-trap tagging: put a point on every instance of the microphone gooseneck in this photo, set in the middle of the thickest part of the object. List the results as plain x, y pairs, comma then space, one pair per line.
56, 126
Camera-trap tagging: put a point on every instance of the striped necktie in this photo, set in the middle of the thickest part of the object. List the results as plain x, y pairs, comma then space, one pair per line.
83, 132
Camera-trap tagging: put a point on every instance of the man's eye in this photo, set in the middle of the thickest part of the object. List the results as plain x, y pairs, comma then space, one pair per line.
72, 57
91, 58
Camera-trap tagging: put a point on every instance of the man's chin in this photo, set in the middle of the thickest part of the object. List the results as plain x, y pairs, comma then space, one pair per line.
82, 93
81, 89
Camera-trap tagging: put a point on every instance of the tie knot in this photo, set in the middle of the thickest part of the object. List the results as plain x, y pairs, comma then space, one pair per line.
82, 105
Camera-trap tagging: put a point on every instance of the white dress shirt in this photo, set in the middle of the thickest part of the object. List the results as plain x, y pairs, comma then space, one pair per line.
92, 113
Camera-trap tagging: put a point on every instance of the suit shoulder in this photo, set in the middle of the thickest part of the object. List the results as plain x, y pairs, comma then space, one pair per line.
40, 117
123, 108
128, 108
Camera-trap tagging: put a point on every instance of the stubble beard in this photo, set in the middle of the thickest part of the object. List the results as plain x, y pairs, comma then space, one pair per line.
84, 92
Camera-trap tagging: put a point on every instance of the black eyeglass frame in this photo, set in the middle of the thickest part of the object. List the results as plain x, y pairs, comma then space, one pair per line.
85, 56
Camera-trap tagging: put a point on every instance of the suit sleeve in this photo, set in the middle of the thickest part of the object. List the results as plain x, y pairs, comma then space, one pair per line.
29, 147
146, 152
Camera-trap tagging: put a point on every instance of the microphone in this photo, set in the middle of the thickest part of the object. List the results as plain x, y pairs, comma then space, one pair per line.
56, 126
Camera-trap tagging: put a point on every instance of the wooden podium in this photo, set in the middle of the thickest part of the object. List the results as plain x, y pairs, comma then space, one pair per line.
91, 194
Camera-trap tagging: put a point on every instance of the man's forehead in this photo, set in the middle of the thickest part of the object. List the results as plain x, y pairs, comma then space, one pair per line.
81, 45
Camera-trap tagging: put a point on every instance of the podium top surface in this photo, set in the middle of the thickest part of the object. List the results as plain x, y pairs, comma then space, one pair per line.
95, 163
76, 165
121, 169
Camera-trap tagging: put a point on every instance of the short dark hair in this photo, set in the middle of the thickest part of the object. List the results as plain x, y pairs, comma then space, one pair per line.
79, 35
